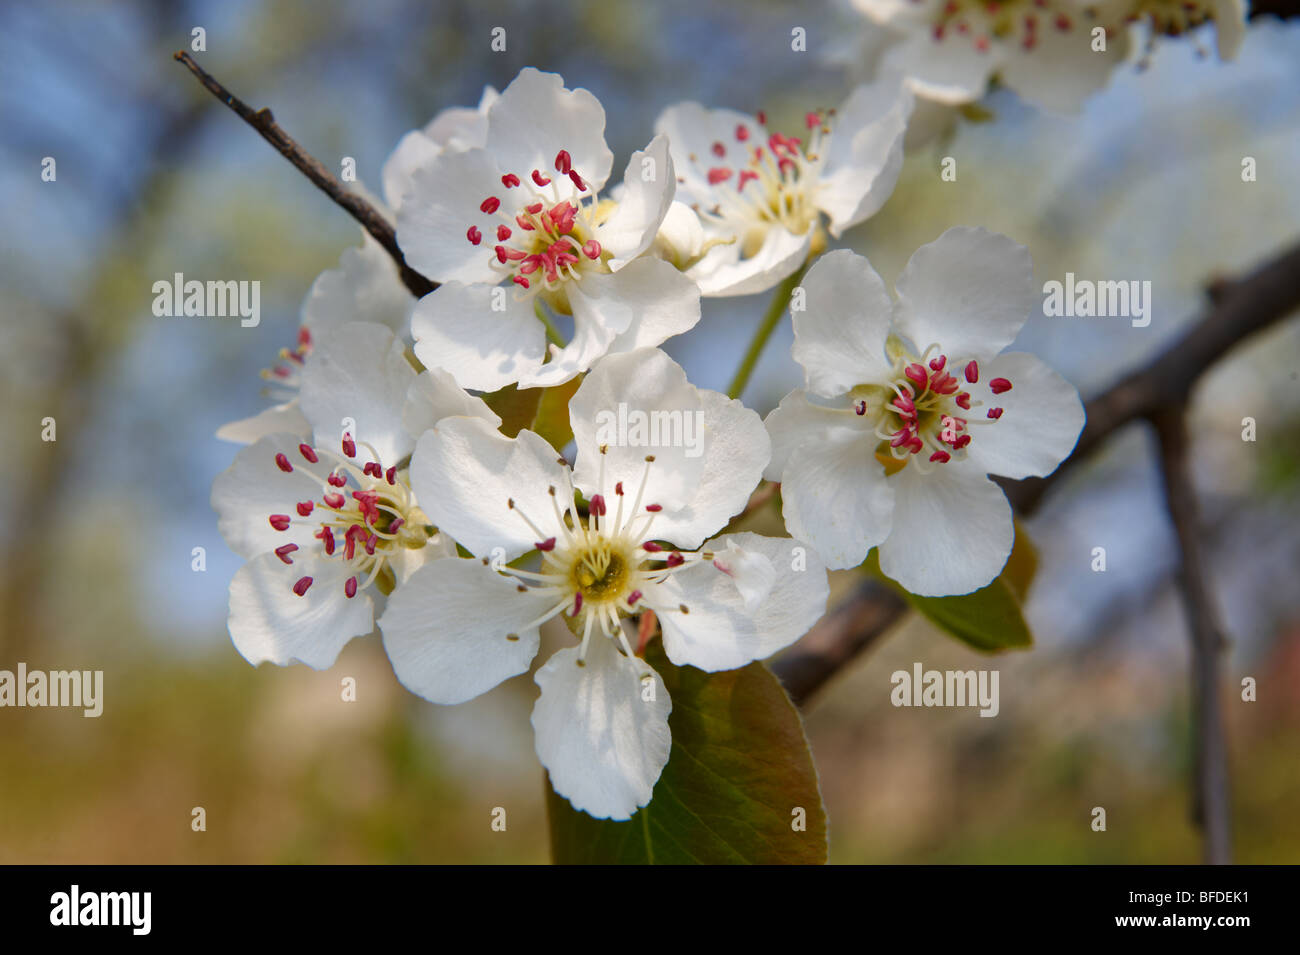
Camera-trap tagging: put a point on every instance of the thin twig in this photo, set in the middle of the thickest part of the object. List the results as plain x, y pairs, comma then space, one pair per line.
371, 219
1211, 809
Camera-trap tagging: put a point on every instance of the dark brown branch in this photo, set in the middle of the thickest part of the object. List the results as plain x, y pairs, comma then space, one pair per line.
1210, 808
840, 636
1240, 309
1282, 9
370, 218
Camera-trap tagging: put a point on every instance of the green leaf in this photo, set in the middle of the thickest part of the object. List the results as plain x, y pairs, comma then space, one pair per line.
552, 420
1021, 565
543, 410
974, 113
989, 619
517, 407
738, 772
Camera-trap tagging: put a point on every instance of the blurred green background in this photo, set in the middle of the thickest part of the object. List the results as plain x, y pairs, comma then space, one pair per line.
155, 177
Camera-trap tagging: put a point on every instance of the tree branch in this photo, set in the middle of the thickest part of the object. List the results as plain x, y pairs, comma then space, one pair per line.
1210, 807
1239, 309
837, 638
371, 219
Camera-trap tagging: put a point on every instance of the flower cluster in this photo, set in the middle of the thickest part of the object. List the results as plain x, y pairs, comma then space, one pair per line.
1052, 52
384, 491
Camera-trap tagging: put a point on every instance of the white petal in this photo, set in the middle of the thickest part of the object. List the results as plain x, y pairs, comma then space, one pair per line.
1062, 70
597, 320
535, 117
723, 273
796, 422
661, 300
649, 183
639, 305
930, 121
638, 404
693, 132
603, 743
405, 561
276, 420
457, 128
462, 128
970, 290
413, 151
834, 495
443, 201
457, 329
894, 12
358, 371
457, 628
434, 395
1041, 419
254, 487
718, 631
950, 71
365, 287
736, 450
1229, 27
865, 154
751, 572
464, 473
839, 336
268, 621
952, 531
681, 236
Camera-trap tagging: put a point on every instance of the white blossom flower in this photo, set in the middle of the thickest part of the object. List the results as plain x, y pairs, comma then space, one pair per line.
283, 382
462, 626
366, 286
326, 517
949, 50
909, 406
761, 195
517, 223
